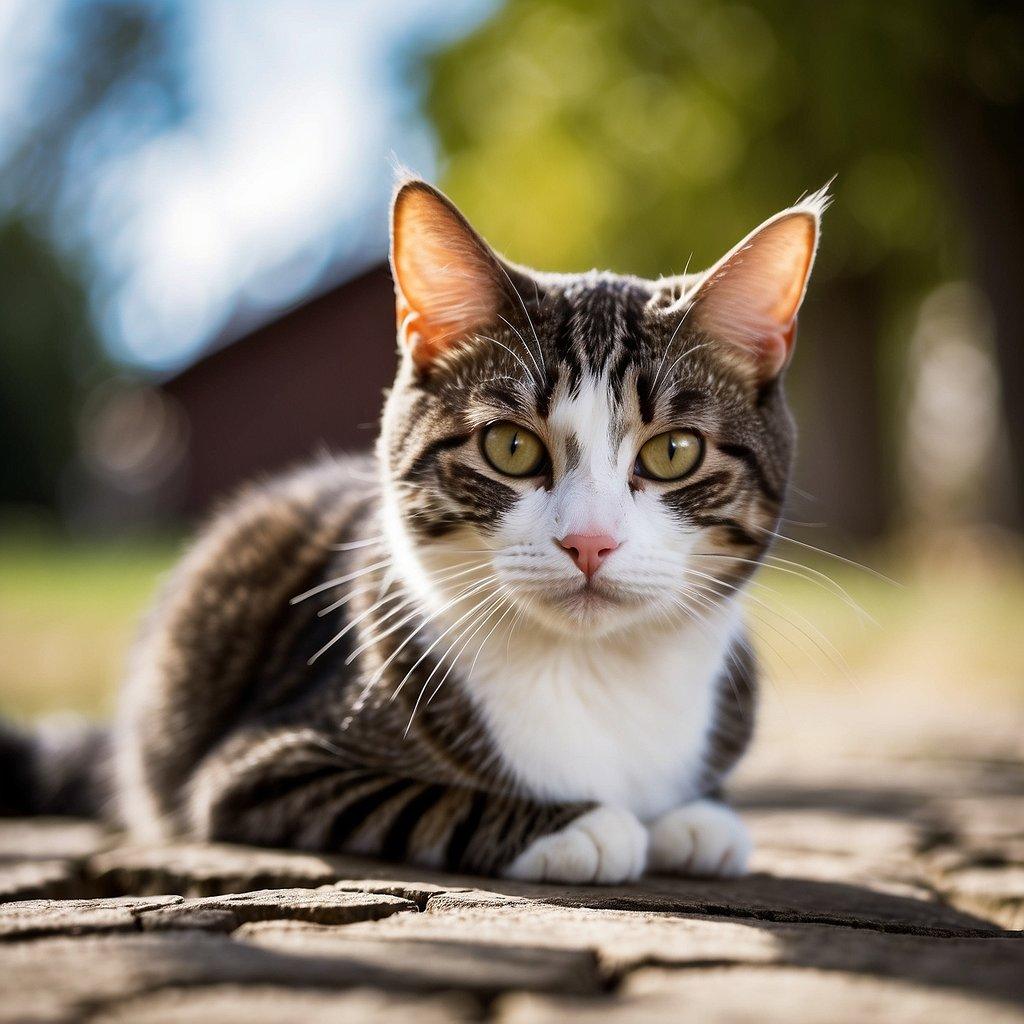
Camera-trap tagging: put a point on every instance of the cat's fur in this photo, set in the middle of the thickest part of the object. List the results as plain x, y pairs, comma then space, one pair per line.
476, 703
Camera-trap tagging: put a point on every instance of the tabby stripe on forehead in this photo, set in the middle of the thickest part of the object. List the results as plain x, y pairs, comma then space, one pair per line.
567, 349
750, 460
395, 845
431, 452
645, 395
358, 810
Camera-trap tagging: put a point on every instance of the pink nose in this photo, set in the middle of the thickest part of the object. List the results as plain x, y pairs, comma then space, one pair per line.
588, 550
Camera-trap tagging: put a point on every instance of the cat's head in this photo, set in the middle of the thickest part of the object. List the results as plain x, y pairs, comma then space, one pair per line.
589, 451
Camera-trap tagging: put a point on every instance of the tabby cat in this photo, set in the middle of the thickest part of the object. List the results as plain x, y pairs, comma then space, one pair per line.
511, 642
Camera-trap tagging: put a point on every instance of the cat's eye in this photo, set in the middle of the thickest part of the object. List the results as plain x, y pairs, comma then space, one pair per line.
513, 450
670, 456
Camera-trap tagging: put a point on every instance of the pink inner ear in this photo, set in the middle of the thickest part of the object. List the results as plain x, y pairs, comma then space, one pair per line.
444, 273
750, 298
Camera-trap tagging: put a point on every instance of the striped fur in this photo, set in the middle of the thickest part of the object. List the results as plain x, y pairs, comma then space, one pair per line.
366, 655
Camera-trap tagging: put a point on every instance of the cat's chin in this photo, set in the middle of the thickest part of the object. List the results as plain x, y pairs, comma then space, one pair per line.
590, 610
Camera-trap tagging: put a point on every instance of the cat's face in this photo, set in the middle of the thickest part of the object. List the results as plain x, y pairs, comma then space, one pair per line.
590, 452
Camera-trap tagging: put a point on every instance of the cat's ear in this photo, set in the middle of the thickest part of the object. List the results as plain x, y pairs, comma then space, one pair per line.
447, 279
750, 298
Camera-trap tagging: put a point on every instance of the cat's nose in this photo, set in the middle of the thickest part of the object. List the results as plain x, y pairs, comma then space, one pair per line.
588, 550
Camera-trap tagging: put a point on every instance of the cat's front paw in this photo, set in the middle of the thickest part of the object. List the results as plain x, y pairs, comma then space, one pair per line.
605, 846
704, 839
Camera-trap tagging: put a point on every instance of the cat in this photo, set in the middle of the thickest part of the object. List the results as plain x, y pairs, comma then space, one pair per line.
511, 643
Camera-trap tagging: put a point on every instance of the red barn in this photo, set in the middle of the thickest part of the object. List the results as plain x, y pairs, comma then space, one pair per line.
307, 380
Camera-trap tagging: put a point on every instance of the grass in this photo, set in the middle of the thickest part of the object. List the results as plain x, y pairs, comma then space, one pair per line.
69, 610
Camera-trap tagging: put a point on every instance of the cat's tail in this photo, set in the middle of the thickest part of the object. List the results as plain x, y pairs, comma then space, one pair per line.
61, 766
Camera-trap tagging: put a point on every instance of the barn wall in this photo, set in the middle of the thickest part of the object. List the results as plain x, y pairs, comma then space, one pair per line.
309, 380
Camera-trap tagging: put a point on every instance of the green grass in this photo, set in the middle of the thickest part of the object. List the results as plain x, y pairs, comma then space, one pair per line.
69, 611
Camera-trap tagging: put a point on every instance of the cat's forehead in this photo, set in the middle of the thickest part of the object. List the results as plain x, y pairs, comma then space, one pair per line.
596, 324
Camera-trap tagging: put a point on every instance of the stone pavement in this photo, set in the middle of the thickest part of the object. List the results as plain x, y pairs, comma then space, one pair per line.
885, 888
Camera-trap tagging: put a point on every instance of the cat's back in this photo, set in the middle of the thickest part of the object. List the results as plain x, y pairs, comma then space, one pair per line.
225, 638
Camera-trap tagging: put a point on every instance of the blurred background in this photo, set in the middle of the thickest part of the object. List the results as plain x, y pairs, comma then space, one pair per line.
193, 203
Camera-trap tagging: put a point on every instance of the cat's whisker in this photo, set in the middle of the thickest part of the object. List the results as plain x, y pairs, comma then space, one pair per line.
475, 624
540, 370
352, 623
683, 355
668, 347
354, 545
810, 633
502, 602
347, 578
342, 601
831, 554
426, 620
526, 313
434, 643
761, 639
374, 639
805, 572
440, 576
515, 355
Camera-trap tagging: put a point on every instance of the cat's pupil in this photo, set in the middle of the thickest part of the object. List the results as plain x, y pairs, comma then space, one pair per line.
513, 444
672, 447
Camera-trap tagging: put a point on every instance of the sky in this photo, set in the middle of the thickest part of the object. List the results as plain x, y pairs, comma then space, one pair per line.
277, 181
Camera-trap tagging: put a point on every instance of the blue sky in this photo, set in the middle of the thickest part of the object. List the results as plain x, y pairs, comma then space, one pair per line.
279, 177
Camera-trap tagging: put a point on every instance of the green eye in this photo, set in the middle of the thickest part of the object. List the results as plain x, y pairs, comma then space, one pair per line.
670, 456
513, 450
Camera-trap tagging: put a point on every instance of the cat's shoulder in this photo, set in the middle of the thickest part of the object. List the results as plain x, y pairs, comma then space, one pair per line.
272, 528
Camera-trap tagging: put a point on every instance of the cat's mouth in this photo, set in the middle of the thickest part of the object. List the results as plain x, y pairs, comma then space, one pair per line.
591, 596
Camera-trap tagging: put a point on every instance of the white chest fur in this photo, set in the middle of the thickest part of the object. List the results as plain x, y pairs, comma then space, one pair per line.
622, 722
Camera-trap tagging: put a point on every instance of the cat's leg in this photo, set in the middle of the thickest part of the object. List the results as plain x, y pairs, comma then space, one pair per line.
278, 790
705, 839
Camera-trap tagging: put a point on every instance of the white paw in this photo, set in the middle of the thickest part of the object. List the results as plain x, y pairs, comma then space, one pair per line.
604, 846
705, 839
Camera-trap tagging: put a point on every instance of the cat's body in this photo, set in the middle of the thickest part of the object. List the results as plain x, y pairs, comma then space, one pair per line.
399, 657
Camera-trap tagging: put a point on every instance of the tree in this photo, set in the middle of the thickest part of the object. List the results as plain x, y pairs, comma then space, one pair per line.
630, 134
109, 81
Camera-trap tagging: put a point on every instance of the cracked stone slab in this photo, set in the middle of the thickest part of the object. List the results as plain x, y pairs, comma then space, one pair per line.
821, 831
67, 973
865, 897
265, 1004
325, 905
41, 879
50, 839
35, 918
214, 869
995, 892
741, 995
793, 898
771, 898
893, 875
457, 961
990, 818
625, 940
418, 892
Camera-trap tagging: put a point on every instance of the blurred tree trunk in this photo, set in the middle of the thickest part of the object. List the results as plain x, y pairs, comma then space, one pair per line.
840, 455
983, 148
